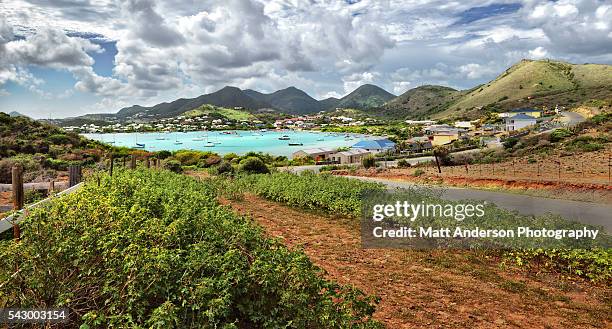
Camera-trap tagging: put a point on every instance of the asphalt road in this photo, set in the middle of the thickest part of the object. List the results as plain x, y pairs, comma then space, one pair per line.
584, 212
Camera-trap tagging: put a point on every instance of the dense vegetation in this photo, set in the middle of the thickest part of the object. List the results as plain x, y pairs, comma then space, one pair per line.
42, 149
334, 194
154, 249
342, 196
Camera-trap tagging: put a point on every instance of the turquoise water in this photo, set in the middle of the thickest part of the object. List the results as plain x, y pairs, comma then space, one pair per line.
239, 142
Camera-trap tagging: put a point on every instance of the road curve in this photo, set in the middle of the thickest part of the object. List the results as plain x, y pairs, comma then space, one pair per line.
584, 212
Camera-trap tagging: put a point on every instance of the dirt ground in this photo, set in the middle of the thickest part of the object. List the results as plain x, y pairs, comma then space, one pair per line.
439, 289
581, 177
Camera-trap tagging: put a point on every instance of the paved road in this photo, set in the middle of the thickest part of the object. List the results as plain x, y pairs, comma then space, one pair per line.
572, 118
584, 212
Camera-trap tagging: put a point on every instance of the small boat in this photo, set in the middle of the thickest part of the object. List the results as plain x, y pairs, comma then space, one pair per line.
139, 146
209, 144
198, 139
295, 144
263, 130
161, 138
178, 143
320, 139
284, 138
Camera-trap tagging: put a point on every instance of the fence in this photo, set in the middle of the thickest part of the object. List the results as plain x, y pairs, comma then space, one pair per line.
17, 187
585, 169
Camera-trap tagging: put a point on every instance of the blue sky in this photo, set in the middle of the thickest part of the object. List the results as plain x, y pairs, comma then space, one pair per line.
61, 59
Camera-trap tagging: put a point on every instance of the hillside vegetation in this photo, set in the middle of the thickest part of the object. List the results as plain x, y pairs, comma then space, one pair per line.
365, 97
215, 111
419, 102
42, 149
536, 83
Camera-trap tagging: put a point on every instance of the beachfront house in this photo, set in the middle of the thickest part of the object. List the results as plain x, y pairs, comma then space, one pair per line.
350, 156
318, 154
519, 121
375, 145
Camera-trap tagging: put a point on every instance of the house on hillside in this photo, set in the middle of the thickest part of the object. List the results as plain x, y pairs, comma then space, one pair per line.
318, 154
527, 111
375, 145
519, 121
350, 156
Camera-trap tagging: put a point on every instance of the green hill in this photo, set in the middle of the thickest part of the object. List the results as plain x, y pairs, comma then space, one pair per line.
216, 111
534, 84
228, 97
365, 97
419, 102
289, 100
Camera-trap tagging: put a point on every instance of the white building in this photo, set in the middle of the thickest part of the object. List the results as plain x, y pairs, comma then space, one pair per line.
519, 121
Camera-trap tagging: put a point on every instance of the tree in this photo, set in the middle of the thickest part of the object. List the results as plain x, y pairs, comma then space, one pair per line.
440, 153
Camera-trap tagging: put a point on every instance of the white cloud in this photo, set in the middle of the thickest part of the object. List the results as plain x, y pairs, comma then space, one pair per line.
538, 53
169, 49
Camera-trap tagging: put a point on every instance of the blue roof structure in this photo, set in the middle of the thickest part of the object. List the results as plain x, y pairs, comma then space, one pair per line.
522, 116
375, 144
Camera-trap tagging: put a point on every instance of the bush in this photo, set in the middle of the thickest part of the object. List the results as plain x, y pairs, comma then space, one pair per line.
163, 154
224, 168
253, 165
418, 172
174, 166
188, 158
402, 163
230, 156
559, 135
510, 143
155, 250
368, 162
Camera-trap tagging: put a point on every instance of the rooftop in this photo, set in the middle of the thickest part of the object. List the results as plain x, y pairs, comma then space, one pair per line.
522, 116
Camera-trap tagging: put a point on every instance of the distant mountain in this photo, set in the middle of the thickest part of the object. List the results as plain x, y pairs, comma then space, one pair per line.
227, 97
16, 114
329, 103
289, 100
420, 102
366, 97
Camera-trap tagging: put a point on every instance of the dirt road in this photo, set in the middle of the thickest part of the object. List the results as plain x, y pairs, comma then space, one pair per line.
436, 289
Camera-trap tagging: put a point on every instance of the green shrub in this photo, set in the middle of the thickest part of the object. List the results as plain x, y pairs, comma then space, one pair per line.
253, 165
403, 163
163, 154
559, 135
59, 139
174, 166
510, 143
154, 249
224, 168
368, 162
336, 194
418, 172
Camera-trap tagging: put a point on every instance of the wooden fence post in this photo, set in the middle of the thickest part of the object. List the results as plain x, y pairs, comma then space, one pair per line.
123, 161
18, 197
148, 163
51, 186
132, 162
110, 167
74, 175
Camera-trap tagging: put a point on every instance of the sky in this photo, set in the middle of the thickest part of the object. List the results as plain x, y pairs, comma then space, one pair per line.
61, 58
